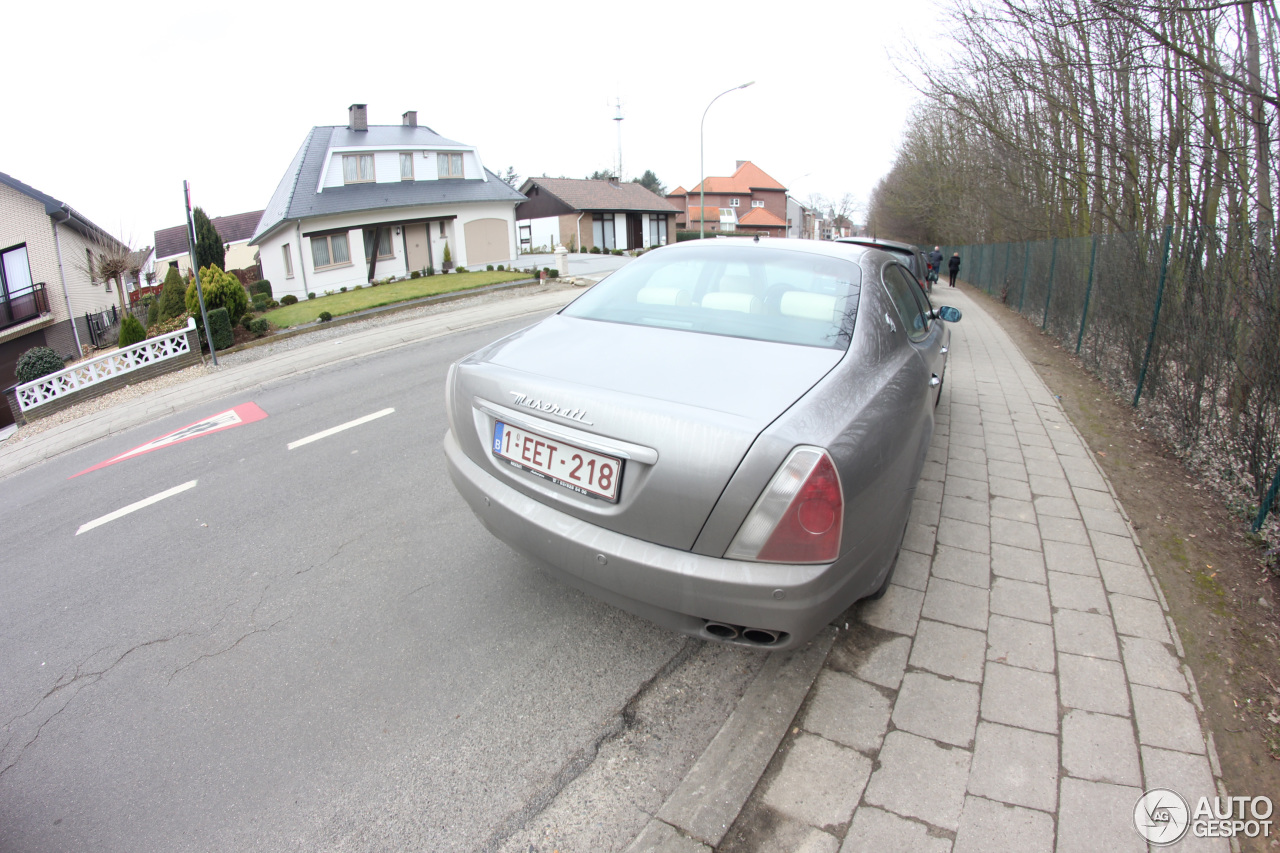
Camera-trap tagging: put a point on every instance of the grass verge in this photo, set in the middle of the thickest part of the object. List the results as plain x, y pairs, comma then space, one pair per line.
367, 297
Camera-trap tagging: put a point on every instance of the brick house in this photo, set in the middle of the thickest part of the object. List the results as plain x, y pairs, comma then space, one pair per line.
45, 287
582, 214
748, 200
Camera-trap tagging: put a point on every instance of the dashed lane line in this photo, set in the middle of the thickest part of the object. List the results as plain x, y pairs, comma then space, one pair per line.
134, 507
348, 425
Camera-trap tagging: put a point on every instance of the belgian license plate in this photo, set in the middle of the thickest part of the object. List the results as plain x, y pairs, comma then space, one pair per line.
562, 463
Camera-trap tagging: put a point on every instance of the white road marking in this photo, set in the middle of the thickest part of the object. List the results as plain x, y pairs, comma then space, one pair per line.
134, 507
348, 425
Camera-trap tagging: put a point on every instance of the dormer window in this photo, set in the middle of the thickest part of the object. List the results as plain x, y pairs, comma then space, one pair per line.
733, 202
406, 167
357, 168
450, 165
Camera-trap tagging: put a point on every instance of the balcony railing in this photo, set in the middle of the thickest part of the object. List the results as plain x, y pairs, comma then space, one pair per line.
23, 307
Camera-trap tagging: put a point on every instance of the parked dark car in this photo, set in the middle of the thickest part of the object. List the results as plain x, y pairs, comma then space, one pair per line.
911, 256
723, 436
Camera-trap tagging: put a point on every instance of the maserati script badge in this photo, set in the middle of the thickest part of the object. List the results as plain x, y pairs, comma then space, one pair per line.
551, 408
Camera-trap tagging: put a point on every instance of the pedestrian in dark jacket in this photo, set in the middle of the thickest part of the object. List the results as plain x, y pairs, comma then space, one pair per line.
953, 267
935, 259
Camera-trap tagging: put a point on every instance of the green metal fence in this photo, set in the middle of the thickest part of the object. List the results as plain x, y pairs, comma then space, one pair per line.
1186, 324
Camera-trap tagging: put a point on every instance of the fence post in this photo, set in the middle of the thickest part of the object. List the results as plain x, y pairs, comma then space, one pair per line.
1004, 278
1053, 263
1155, 315
1088, 290
1267, 501
1026, 264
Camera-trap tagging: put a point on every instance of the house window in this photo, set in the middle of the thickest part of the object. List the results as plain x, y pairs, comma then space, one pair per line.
450, 165
385, 249
288, 261
406, 167
733, 202
442, 228
602, 230
756, 203
15, 272
357, 168
329, 250
657, 230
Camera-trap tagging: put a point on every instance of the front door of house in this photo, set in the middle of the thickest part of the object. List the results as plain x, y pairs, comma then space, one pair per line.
417, 254
635, 231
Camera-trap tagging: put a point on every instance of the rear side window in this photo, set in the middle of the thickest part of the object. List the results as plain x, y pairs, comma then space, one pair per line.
899, 284
744, 291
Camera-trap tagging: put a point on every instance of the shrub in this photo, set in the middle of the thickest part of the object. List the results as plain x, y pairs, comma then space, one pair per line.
37, 362
153, 313
448, 257
245, 321
415, 274
131, 331
311, 296
501, 267
261, 286
220, 325
489, 268
260, 301
342, 289
172, 302
272, 304
288, 299
259, 327
554, 273
325, 317
461, 269
595, 250
221, 290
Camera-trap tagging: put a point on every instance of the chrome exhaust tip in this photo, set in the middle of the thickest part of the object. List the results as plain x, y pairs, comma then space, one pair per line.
721, 630
760, 636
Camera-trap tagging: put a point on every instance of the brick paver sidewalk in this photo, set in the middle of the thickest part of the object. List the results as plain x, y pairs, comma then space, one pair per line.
1021, 683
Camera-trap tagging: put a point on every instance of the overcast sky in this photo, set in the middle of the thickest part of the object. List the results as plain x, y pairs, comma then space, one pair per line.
109, 107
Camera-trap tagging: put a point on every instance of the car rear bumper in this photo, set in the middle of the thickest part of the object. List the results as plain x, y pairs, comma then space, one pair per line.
676, 589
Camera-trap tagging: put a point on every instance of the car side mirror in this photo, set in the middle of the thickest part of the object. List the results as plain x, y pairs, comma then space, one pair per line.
946, 312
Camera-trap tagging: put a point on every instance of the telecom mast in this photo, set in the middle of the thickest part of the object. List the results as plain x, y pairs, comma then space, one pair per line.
618, 118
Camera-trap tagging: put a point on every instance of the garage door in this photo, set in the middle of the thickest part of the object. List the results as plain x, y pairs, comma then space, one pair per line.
487, 241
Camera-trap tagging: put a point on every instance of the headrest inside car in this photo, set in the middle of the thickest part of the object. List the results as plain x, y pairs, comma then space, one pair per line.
742, 302
662, 296
808, 306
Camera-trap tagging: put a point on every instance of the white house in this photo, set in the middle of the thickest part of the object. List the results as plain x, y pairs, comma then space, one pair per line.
366, 202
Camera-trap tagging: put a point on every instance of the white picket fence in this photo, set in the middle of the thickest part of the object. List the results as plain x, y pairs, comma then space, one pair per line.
86, 373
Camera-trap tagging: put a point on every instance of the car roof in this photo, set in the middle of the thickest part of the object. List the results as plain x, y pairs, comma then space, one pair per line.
874, 241
827, 248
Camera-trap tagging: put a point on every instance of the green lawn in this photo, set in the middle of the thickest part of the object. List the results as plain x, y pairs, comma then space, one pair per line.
384, 294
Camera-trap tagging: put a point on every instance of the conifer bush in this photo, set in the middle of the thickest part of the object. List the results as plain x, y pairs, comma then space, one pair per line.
131, 332
37, 362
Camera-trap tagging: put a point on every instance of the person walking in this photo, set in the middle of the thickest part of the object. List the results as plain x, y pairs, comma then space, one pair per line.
935, 266
953, 267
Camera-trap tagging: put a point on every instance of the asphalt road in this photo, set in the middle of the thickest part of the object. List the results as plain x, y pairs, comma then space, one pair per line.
317, 647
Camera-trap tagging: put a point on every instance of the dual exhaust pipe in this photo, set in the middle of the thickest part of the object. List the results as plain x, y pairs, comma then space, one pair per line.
755, 636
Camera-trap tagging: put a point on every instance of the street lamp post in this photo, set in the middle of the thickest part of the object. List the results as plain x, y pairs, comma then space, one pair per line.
702, 171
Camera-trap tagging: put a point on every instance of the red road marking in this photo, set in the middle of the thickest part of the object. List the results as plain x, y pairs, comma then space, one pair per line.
240, 415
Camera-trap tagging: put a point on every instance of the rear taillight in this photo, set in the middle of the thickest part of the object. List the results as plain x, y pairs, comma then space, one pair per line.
799, 517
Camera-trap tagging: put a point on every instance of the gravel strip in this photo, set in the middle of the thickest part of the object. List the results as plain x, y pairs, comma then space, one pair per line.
271, 347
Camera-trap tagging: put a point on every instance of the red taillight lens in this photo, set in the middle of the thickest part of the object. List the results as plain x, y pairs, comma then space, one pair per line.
799, 517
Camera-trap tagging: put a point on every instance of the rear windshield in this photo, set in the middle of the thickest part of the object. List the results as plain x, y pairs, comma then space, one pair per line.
748, 291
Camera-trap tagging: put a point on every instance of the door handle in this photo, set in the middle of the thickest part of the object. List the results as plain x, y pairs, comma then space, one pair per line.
934, 381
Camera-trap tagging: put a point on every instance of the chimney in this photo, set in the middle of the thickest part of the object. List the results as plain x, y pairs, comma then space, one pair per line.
359, 117
613, 180
410, 119
741, 163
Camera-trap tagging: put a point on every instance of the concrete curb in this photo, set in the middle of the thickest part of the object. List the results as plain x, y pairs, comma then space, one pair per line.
698, 813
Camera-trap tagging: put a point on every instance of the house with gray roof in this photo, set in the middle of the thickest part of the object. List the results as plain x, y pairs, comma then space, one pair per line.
367, 202
582, 214
173, 250
47, 294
